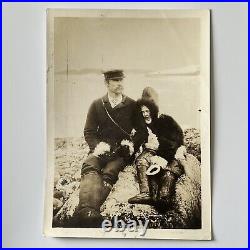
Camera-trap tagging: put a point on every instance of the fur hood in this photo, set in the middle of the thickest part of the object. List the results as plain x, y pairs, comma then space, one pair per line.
153, 108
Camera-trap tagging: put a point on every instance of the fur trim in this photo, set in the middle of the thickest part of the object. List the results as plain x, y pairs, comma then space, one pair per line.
150, 94
153, 169
181, 153
101, 148
129, 144
153, 142
153, 108
159, 161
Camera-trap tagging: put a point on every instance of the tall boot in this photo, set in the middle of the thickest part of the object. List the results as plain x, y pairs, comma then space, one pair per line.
166, 191
110, 175
90, 196
144, 197
153, 184
106, 190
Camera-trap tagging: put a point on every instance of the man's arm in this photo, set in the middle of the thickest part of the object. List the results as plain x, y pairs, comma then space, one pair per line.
130, 147
91, 128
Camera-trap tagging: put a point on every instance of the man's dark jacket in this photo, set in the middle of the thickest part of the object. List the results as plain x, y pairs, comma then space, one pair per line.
99, 127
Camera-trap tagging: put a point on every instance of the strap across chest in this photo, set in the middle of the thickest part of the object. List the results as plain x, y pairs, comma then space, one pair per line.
114, 122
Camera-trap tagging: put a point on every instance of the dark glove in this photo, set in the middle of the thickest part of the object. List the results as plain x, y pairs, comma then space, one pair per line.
126, 150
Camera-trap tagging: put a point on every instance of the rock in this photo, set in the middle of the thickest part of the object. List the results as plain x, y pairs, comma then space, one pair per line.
57, 204
58, 194
64, 215
186, 212
192, 141
117, 201
188, 193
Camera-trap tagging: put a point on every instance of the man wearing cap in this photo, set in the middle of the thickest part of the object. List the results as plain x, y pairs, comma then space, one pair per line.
108, 132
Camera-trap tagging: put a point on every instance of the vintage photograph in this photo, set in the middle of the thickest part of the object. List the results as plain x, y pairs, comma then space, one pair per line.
128, 124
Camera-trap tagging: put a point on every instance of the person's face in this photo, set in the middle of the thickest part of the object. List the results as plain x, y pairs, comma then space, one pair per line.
145, 113
115, 86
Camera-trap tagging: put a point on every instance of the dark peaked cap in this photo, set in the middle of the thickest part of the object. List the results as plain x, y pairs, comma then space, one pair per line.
114, 75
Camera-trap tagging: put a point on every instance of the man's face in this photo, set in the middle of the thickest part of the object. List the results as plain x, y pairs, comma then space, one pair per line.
146, 114
115, 86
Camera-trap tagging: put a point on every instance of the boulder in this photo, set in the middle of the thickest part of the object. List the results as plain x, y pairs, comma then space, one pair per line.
186, 211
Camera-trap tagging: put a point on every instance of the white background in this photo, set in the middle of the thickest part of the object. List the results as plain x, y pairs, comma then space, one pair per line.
24, 145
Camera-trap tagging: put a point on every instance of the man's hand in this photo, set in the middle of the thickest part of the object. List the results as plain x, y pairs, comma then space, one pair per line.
101, 149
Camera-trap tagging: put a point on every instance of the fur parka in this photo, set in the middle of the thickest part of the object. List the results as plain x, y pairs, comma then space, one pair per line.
168, 131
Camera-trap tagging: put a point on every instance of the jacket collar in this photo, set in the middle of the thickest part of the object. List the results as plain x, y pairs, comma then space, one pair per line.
122, 104
106, 99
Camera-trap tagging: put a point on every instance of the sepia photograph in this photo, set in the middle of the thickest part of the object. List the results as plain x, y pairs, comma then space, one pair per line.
124, 125
128, 124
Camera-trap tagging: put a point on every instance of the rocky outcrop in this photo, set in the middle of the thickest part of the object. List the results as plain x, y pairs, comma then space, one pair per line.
186, 212
192, 141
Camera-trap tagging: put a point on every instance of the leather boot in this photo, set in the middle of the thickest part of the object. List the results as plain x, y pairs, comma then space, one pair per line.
166, 191
110, 175
153, 181
106, 190
90, 197
144, 197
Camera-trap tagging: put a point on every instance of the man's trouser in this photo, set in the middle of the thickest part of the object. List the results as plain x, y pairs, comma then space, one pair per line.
97, 179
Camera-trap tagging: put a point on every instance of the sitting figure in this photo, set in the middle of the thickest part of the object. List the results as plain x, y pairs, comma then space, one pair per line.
157, 168
110, 121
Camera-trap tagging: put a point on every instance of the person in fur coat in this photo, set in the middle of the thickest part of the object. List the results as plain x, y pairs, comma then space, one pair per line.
157, 168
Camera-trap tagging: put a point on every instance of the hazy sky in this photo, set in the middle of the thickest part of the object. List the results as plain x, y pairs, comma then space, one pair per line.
135, 44
161, 53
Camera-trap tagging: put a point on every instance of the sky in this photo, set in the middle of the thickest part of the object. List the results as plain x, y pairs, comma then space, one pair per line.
161, 53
